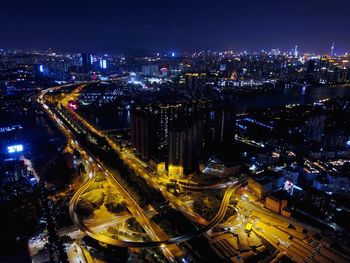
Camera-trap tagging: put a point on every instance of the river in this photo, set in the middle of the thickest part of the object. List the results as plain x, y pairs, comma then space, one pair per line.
295, 95
39, 136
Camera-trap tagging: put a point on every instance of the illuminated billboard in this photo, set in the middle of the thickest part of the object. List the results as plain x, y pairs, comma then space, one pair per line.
15, 148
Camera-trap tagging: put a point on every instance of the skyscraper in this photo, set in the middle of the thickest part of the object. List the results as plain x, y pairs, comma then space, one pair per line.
143, 132
310, 71
332, 50
224, 125
296, 53
173, 130
184, 148
315, 126
86, 60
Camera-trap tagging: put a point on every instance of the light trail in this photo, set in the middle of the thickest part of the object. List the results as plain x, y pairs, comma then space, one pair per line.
90, 232
137, 213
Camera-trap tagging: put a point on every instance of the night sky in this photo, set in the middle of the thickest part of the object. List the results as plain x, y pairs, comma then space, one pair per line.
116, 25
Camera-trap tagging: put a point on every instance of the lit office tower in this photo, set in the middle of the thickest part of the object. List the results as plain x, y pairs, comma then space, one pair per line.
184, 148
332, 50
103, 63
296, 53
314, 127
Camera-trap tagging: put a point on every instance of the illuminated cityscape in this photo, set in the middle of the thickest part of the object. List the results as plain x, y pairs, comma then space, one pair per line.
182, 132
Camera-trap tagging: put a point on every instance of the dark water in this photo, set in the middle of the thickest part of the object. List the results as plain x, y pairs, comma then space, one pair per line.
40, 137
299, 95
296, 95
119, 120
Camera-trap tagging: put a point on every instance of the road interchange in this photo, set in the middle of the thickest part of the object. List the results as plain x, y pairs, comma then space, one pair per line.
90, 232
155, 243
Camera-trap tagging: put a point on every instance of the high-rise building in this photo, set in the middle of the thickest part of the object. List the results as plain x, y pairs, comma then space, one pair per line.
103, 63
40, 71
144, 132
310, 70
332, 50
314, 127
224, 125
150, 70
168, 113
311, 66
195, 81
150, 128
185, 143
86, 60
296, 53
170, 129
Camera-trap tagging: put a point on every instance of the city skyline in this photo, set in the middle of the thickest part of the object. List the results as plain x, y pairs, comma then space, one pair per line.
118, 27
180, 132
